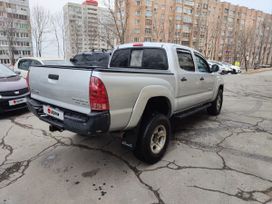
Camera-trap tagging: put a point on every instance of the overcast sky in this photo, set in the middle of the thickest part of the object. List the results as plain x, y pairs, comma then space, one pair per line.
56, 5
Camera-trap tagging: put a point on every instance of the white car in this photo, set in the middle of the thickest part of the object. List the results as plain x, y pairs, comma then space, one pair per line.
222, 68
236, 69
22, 65
232, 69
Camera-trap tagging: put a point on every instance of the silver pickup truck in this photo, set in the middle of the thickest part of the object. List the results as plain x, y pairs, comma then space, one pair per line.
144, 86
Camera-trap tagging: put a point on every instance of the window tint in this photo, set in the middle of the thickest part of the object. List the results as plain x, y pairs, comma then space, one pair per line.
35, 63
186, 61
24, 64
120, 58
147, 58
202, 64
79, 58
155, 59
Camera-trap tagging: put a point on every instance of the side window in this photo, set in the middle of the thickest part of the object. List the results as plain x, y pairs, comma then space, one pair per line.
120, 58
202, 64
145, 58
186, 61
24, 65
155, 59
35, 63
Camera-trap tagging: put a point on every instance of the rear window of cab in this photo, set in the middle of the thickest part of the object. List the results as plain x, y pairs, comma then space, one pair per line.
140, 58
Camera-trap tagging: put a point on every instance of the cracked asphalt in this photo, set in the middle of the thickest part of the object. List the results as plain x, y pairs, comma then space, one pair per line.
224, 159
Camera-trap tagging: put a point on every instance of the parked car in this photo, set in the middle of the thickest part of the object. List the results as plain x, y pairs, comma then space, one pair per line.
96, 58
13, 90
236, 69
220, 66
233, 69
144, 86
22, 65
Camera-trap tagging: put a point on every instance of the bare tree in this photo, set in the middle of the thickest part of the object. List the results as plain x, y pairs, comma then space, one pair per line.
245, 40
57, 25
10, 33
106, 30
158, 30
9, 30
119, 12
215, 33
40, 27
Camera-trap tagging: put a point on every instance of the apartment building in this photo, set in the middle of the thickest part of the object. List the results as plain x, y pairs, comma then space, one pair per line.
15, 30
83, 27
213, 27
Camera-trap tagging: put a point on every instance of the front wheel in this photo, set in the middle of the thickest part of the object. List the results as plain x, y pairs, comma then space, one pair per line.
216, 106
153, 138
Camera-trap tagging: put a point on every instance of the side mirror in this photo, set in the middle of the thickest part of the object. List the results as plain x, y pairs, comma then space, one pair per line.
215, 68
17, 72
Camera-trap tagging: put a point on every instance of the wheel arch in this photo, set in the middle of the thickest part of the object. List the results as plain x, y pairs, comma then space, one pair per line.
157, 98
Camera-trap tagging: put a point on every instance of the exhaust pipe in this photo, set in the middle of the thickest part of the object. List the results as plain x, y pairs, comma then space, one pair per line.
53, 128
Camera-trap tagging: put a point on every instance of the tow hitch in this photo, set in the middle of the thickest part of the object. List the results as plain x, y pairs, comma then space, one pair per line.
53, 128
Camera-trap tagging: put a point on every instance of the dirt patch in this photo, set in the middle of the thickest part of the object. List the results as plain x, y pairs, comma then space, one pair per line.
90, 174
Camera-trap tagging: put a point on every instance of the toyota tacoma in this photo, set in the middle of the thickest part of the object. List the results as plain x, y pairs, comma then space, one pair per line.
144, 85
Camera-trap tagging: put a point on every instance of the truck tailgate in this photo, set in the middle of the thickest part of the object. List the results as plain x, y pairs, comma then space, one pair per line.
61, 86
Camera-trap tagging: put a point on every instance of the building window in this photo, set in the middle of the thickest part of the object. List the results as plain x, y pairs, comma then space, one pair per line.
148, 39
138, 13
187, 19
148, 22
147, 30
137, 31
187, 11
136, 40
178, 9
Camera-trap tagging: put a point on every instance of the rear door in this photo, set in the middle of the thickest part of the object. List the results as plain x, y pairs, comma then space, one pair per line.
207, 79
188, 80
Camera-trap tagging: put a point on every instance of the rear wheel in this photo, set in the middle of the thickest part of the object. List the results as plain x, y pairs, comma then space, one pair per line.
216, 106
153, 138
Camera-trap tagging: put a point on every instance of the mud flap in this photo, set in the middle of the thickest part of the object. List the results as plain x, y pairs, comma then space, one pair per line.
130, 138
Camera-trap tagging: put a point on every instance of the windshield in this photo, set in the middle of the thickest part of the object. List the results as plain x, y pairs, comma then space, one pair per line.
57, 62
6, 72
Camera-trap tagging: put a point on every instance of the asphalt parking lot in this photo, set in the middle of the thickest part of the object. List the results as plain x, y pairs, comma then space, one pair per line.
224, 159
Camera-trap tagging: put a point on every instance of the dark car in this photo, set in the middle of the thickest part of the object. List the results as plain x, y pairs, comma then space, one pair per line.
13, 90
96, 59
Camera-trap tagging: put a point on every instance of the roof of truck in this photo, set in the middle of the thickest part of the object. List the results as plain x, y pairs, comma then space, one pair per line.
155, 44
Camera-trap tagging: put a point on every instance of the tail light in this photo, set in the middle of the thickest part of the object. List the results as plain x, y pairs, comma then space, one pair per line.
27, 80
98, 95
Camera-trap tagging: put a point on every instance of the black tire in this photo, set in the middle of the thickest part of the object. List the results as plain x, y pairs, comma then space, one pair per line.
216, 106
149, 125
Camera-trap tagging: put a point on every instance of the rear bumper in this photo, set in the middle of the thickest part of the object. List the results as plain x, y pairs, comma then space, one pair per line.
93, 123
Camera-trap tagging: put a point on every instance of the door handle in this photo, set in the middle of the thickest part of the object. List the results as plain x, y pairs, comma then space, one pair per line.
53, 76
202, 79
183, 79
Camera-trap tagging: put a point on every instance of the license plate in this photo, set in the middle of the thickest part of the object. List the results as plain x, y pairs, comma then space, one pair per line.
53, 112
18, 101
